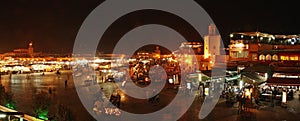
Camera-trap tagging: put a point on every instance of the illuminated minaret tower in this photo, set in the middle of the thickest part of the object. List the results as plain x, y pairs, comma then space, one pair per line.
30, 50
212, 42
157, 51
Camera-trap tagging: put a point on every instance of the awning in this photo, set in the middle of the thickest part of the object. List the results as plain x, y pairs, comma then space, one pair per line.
284, 81
252, 77
216, 73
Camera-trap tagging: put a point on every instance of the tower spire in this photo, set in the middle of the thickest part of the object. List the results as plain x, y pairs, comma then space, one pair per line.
30, 49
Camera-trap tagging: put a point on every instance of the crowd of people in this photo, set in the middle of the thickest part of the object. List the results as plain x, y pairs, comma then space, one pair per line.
140, 70
108, 106
252, 97
274, 90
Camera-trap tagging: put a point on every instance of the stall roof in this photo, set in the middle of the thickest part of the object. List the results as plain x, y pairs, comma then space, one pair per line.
216, 73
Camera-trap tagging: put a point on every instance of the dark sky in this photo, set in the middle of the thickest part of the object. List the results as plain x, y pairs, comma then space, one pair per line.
52, 25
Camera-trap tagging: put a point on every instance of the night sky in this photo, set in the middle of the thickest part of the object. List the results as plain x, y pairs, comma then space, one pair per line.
52, 25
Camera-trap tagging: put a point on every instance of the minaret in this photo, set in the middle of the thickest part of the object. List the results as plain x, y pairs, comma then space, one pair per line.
157, 51
211, 30
212, 42
30, 50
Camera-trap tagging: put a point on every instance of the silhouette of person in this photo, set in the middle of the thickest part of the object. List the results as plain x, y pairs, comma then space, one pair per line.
66, 83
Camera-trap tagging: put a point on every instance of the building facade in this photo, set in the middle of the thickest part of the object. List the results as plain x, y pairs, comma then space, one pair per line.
263, 47
22, 52
212, 42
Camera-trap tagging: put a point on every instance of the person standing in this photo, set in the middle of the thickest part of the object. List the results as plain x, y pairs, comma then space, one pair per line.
50, 90
239, 100
10, 75
118, 98
113, 99
243, 102
66, 83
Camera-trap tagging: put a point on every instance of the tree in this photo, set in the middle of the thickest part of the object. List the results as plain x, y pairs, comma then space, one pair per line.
41, 101
2, 93
9, 102
63, 113
6, 98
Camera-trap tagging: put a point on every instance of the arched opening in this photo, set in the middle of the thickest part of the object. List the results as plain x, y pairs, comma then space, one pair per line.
268, 57
275, 57
262, 57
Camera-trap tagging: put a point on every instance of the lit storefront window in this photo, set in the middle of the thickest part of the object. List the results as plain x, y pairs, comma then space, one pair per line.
284, 75
294, 58
268, 57
275, 57
240, 54
284, 57
262, 57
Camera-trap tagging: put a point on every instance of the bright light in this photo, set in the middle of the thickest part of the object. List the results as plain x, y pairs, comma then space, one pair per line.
188, 85
241, 84
284, 97
199, 77
157, 55
2, 115
206, 91
240, 45
261, 38
231, 35
248, 93
170, 80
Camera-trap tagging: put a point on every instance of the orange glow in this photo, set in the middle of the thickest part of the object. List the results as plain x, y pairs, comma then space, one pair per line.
294, 58
248, 93
157, 55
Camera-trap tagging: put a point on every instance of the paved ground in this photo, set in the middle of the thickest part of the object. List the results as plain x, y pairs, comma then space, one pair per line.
265, 113
23, 90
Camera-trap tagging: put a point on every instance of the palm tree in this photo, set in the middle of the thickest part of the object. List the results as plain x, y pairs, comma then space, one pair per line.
6, 98
41, 101
63, 113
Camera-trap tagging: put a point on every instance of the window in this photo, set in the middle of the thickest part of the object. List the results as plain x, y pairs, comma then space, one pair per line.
262, 57
239, 54
294, 58
275, 57
268, 57
284, 57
